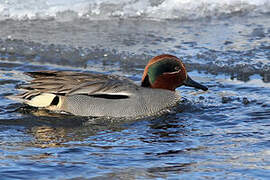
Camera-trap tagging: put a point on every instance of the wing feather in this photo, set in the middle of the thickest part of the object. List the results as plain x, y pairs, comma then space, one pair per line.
70, 83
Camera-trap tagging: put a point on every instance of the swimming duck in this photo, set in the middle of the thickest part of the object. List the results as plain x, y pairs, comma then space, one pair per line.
86, 94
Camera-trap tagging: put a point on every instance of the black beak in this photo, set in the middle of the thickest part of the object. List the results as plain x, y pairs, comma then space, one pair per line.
189, 82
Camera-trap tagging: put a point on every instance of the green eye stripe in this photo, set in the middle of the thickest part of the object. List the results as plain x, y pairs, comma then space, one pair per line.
160, 67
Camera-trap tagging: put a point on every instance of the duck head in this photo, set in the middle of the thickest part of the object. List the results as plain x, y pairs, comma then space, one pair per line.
167, 72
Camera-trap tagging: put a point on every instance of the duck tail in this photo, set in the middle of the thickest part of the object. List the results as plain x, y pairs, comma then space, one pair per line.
36, 99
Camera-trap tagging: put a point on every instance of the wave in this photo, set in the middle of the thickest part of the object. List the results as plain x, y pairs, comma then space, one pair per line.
65, 10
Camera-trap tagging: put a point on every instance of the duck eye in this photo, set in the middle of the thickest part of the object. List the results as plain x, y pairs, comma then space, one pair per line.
177, 68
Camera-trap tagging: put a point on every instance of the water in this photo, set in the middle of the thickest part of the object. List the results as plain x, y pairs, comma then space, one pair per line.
220, 134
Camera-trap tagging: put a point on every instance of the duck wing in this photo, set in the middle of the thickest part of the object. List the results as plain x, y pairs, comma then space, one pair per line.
46, 85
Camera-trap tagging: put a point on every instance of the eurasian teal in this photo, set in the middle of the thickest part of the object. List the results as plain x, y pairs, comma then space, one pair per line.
86, 94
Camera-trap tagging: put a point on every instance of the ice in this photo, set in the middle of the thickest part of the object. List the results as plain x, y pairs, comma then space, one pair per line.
106, 9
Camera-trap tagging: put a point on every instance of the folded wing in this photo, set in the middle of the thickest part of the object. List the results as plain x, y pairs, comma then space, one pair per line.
47, 87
